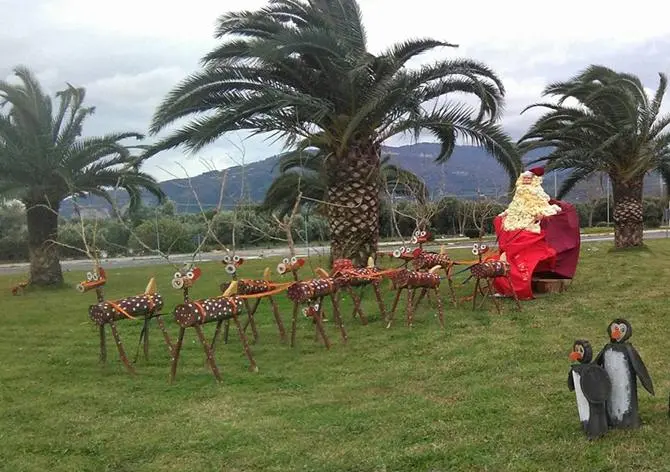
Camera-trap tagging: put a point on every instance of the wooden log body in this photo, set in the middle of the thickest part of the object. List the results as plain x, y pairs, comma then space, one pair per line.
199, 312
490, 269
428, 260
144, 305
411, 279
306, 290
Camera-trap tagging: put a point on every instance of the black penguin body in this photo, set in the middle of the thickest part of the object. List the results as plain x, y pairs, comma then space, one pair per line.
624, 366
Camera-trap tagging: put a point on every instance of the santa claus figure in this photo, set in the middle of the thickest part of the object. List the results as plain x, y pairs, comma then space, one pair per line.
537, 235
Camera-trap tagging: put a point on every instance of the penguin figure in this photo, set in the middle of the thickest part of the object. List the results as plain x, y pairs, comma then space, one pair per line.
623, 365
592, 387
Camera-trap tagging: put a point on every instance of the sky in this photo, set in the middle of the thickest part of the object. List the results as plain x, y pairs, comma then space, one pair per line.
129, 54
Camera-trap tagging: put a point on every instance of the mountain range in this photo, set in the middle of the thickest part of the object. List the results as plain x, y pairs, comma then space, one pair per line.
469, 172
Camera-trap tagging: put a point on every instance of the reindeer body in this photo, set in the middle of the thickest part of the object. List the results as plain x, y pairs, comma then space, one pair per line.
485, 272
411, 281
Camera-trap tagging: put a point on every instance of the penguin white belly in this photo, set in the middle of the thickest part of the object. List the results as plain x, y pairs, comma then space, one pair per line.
618, 370
582, 403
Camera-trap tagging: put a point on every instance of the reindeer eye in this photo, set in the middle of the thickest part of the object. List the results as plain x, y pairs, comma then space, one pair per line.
230, 268
294, 260
402, 249
475, 251
226, 259
281, 268
483, 247
89, 276
190, 274
285, 260
423, 233
96, 277
236, 258
397, 253
177, 275
417, 233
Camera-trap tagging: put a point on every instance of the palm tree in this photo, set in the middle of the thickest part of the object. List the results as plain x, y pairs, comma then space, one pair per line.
305, 172
613, 127
44, 159
301, 71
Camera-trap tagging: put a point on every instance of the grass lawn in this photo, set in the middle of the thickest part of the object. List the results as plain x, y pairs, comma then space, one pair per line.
487, 393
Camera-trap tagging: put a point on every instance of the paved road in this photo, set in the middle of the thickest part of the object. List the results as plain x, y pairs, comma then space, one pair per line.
119, 262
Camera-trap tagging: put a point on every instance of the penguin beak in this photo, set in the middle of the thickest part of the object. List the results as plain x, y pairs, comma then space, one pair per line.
616, 334
575, 356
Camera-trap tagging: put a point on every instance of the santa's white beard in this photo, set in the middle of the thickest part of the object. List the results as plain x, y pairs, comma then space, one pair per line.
529, 201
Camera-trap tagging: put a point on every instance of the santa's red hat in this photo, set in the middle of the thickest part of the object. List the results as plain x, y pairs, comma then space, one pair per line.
538, 171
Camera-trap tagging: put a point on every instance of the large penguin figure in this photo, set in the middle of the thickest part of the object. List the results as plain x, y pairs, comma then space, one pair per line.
592, 388
623, 365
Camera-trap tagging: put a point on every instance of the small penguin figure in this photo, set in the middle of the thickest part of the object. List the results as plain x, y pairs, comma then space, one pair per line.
623, 365
592, 387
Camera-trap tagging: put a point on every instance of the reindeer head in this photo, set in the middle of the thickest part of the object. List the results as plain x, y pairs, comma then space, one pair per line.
95, 279
290, 265
232, 263
186, 277
479, 250
406, 253
421, 237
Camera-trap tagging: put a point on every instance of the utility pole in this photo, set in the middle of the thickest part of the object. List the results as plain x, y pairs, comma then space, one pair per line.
608, 200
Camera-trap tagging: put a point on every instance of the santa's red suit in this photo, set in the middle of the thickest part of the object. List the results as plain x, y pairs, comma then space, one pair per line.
552, 253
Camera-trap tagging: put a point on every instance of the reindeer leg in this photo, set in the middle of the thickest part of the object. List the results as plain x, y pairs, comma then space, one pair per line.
208, 351
294, 324
119, 345
217, 330
245, 345
380, 301
103, 347
146, 338
484, 290
319, 324
175, 354
440, 310
395, 305
495, 299
278, 320
251, 319
166, 336
450, 282
423, 293
410, 306
226, 329
474, 294
338, 316
142, 333
357, 306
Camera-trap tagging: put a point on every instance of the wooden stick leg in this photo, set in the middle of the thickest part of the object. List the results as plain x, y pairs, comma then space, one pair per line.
422, 294
318, 321
226, 330
452, 291
208, 351
103, 346
380, 300
122, 351
496, 302
142, 334
251, 319
166, 336
357, 306
485, 291
393, 308
278, 320
146, 339
440, 310
175, 354
294, 323
410, 306
217, 330
338, 317
245, 345
474, 294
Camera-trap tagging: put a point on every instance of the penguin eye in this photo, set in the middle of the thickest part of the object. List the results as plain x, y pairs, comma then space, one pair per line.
580, 349
622, 328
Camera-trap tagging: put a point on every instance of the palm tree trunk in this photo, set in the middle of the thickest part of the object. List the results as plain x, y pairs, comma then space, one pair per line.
353, 204
45, 267
628, 212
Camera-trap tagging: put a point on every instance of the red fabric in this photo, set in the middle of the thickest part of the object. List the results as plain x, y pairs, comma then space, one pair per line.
524, 250
562, 232
554, 252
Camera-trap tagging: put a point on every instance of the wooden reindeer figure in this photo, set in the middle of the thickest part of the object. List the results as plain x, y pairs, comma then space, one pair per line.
146, 305
424, 261
428, 282
312, 294
262, 289
232, 263
485, 272
421, 237
195, 313
348, 277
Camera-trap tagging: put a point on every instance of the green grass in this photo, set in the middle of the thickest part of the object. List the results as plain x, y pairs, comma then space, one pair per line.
488, 393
